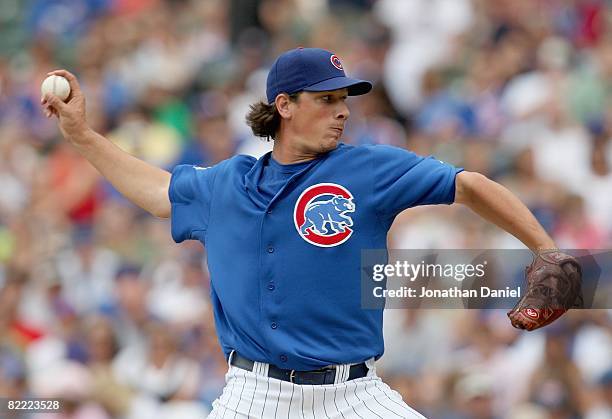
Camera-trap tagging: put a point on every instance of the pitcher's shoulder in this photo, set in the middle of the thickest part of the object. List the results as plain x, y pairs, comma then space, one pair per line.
239, 163
368, 151
349, 150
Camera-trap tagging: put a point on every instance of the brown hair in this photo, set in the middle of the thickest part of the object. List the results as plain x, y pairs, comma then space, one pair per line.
264, 119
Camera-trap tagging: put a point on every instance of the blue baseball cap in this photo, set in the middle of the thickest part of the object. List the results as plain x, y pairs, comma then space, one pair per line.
310, 70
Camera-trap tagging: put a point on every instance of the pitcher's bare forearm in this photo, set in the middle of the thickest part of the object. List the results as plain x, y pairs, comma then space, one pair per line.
140, 182
143, 184
498, 205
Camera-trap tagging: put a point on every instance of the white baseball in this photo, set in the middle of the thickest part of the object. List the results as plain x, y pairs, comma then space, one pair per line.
57, 85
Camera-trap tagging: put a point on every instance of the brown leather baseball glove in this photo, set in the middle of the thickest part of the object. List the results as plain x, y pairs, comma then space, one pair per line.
554, 281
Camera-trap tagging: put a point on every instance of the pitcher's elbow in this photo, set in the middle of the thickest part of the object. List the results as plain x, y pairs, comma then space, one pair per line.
466, 183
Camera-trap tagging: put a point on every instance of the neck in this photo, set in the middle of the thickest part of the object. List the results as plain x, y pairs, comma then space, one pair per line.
285, 152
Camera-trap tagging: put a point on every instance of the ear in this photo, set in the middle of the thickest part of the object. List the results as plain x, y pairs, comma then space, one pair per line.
283, 105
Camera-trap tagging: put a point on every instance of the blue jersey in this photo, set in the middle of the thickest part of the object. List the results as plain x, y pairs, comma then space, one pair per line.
284, 246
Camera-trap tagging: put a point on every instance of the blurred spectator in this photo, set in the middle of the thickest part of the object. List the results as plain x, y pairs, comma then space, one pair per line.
16, 330
154, 142
131, 313
602, 407
70, 382
575, 230
157, 372
475, 397
87, 272
102, 346
214, 140
423, 33
373, 123
556, 384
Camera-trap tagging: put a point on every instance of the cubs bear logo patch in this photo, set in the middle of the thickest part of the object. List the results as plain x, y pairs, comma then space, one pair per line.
322, 214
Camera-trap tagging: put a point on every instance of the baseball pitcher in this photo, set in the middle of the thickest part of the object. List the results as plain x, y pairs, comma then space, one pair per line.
284, 235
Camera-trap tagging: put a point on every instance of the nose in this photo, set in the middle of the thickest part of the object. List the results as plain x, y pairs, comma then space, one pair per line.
343, 111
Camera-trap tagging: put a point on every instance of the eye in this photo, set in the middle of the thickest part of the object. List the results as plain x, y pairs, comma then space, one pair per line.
326, 98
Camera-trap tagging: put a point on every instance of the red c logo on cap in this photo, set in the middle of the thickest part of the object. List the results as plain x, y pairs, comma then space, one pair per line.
336, 62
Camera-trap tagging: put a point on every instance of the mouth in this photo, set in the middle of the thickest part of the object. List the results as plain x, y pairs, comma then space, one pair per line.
337, 129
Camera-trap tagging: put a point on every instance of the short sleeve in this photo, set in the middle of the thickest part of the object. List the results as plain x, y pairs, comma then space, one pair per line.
190, 193
403, 180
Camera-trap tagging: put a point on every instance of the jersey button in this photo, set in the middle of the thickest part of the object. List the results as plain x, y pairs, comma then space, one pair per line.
273, 325
271, 286
283, 358
270, 249
269, 211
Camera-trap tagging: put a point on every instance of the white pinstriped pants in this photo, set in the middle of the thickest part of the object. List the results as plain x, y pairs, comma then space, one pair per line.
254, 395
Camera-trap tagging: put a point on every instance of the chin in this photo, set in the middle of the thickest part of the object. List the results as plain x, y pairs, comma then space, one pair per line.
329, 144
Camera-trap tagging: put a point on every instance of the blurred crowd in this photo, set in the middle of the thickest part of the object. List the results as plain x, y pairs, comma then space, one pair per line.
99, 307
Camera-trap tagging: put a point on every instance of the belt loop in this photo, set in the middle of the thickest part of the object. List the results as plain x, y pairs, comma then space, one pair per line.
371, 364
342, 373
229, 359
261, 368
265, 369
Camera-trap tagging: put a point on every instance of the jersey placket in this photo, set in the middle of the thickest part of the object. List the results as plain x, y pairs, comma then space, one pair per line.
271, 287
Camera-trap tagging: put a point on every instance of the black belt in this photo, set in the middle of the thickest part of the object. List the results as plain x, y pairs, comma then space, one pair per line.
315, 377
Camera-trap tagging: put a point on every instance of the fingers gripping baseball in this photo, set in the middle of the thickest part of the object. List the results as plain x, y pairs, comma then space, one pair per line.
71, 112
